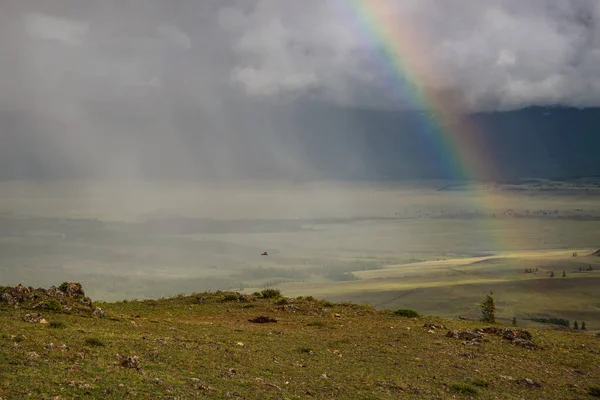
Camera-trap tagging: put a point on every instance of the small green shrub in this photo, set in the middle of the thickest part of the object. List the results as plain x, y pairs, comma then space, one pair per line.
94, 342
594, 391
309, 298
282, 302
463, 388
57, 325
19, 338
270, 293
327, 303
480, 382
231, 297
315, 323
52, 305
257, 294
407, 312
63, 286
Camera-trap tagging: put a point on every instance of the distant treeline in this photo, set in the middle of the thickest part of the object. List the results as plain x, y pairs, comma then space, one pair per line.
554, 321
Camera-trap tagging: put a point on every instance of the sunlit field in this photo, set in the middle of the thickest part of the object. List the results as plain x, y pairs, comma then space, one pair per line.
433, 246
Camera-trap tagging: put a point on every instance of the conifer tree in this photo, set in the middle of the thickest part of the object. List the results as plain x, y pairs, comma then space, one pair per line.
488, 309
583, 328
575, 325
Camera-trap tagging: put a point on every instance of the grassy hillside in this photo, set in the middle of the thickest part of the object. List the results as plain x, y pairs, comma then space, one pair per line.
204, 345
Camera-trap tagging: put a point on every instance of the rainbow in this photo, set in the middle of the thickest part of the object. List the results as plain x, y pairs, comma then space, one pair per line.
454, 139
404, 54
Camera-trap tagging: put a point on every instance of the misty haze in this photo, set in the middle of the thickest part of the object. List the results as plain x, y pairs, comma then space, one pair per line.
414, 155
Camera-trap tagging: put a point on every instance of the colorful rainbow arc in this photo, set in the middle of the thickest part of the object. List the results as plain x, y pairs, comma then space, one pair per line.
453, 137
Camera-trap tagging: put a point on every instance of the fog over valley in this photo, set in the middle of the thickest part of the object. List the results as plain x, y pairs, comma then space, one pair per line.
395, 153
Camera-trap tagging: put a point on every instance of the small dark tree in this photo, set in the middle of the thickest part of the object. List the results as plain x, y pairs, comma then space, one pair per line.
564, 274
583, 328
514, 321
574, 254
488, 309
552, 274
575, 325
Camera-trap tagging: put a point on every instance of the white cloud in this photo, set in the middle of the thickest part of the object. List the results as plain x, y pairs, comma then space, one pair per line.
503, 54
498, 54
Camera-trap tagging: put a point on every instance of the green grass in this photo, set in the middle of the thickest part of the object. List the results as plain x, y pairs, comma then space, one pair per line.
94, 342
57, 325
192, 349
463, 388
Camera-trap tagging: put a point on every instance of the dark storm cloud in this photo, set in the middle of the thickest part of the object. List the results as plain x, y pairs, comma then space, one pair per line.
112, 88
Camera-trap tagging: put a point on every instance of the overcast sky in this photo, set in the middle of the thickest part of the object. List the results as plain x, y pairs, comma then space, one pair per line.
100, 72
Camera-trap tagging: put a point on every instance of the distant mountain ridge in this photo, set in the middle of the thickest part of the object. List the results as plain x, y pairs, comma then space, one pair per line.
306, 141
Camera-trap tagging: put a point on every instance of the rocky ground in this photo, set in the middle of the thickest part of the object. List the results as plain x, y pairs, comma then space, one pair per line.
57, 344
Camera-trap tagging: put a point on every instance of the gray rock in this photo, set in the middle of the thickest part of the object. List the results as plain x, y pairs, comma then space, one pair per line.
99, 313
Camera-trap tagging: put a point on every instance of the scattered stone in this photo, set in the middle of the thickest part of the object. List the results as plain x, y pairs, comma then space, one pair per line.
53, 291
240, 344
464, 335
99, 313
205, 388
521, 338
431, 331
49, 346
129, 361
158, 381
434, 326
529, 383
471, 343
32, 355
262, 320
7, 298
528, 344
43, 321
196, 380
506, 377
324, 376
338, 315
33, 317
492, 329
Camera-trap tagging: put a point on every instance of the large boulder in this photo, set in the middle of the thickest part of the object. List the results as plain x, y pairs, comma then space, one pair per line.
74, 289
